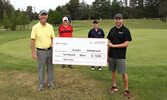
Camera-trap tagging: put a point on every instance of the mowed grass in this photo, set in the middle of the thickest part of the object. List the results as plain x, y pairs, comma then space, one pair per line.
146, 67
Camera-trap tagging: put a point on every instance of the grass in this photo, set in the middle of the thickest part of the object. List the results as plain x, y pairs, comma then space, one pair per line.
146, 66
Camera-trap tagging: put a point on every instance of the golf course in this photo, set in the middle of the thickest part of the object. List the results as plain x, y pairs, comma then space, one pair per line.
146, 66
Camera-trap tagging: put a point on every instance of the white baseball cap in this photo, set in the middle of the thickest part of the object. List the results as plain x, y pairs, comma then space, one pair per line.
65, 18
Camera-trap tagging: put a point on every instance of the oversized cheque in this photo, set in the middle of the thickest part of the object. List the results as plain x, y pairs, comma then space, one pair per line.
80, 51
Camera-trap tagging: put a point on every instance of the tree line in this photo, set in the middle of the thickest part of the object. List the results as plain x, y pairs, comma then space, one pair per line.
11, 18
99, 9
106, 9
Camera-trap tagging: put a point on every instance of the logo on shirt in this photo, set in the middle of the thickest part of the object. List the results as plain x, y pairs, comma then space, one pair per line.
99, 33
120, 32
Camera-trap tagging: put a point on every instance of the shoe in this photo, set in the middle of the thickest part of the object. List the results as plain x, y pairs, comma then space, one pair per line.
113, 89
41, 87
127, 94
99, 68
93, 68
52, 86
70, 66
62, 66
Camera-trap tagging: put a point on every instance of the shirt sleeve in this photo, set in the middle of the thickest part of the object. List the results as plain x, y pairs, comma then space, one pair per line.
89, 34
71, 29
53, 35
59, 31
33, 33
108, 37
103, 35
128, 36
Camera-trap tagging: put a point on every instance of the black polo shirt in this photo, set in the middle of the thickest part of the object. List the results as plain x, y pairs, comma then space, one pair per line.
118, 36
93, 34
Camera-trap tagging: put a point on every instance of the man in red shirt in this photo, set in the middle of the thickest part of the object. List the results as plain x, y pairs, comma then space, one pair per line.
65, 30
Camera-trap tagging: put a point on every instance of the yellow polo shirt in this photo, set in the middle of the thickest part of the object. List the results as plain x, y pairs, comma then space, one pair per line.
42, 35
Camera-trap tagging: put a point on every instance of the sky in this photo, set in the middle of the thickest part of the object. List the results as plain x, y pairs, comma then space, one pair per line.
41, 4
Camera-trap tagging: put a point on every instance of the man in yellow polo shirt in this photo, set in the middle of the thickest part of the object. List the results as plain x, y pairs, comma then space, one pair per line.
42, 36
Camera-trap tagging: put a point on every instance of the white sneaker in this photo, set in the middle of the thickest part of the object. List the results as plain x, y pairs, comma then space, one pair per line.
93, 68
99, 68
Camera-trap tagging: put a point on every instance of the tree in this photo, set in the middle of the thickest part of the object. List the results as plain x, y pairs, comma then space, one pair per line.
65, 9
61, 14
13, 21
84, 11
59, 9
27, 20
74, 8
51, 17
5, 6
6, 21
54, 17
30, 12
23, 20
19, 19
115, 8
96, 9
58, 17
1, 12
105, 9
151, 9
163, 9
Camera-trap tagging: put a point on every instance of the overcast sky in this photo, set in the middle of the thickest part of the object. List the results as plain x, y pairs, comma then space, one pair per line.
41, 4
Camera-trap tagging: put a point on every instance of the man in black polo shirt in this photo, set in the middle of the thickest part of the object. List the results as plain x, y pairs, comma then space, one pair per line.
119, 38
96, 33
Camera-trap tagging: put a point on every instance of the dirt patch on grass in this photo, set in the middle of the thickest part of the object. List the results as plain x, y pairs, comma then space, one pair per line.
70, 85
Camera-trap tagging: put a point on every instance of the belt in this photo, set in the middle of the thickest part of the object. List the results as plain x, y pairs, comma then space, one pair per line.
45, 49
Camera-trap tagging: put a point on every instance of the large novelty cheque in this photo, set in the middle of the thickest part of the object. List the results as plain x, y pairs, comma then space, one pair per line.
80, 51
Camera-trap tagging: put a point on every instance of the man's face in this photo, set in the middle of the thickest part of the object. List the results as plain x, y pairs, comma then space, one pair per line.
43, 17
95, 25
118, 21
65, 22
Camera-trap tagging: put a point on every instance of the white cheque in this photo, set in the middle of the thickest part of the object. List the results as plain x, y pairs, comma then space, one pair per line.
80, 51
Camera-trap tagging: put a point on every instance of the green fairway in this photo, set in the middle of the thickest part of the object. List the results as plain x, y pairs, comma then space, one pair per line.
146, 66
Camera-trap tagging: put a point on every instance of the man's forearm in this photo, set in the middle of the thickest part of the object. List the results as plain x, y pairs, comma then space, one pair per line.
123, 45
33, 46
51, 41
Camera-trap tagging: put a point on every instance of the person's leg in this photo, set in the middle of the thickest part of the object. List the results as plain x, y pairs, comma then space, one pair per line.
50, 69
125, 79
114, 74
121, 68
112, 67
127, 92
41, 60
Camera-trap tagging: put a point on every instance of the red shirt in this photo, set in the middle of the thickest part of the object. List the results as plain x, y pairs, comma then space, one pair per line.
65, 32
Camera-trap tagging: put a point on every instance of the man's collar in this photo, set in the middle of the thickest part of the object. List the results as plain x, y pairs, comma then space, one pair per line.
42, 25
95, 29
67, 25
120, 27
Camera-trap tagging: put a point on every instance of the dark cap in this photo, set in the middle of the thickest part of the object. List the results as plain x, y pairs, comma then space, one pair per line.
43, 12
119, 16
95, 22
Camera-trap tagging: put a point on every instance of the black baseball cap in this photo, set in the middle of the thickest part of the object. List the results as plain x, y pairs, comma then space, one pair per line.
119, 16
95, 22
43, 12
